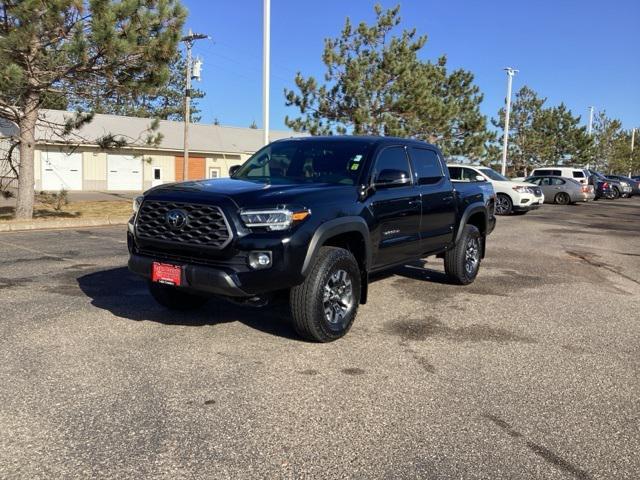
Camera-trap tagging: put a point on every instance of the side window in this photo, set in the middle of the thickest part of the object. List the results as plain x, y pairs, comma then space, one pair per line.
392, 164
578, 174
455, 173
428, 166
469, 175
545, 181
557, 181
556, 172
534, 180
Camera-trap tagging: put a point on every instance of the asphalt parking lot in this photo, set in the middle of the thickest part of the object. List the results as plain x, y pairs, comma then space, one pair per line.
531, 372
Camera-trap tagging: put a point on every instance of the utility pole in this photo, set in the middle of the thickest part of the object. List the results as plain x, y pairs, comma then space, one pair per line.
510, 73
188, 40
633, 138
266, 52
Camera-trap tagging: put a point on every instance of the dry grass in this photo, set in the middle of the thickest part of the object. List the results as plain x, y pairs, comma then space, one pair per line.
84, 209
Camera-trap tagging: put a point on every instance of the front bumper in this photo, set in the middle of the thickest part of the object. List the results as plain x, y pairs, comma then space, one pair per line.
195, 277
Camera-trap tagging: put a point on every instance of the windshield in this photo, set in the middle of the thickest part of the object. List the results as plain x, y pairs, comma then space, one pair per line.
337, 162
493, 175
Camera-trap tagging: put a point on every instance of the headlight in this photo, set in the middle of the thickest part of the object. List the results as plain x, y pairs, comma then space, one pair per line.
521, 189
273, 219
624, 184
137, 202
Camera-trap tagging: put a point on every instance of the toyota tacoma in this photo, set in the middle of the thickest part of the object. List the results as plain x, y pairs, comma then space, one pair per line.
312, 217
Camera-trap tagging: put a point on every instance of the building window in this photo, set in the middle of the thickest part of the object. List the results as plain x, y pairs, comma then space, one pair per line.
214, 172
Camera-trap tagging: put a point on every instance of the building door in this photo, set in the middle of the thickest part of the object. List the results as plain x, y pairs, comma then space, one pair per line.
196, 168
124, 172
61, 171
156, 178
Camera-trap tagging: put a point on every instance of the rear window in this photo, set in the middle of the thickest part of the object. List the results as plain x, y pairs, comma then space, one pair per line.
428, 167
545, 171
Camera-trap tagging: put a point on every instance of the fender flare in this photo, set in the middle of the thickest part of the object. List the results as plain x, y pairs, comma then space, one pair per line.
472, 209
335, 227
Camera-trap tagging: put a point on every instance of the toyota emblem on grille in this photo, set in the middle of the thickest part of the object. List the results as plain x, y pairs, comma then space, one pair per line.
176, 218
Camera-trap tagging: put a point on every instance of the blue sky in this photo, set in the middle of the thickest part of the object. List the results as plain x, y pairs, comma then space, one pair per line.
580, 52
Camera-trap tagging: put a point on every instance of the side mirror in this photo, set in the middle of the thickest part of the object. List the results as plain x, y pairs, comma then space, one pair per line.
392, 178
233, 169
480, 178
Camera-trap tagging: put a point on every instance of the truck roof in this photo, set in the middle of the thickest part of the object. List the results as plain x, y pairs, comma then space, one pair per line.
358, 138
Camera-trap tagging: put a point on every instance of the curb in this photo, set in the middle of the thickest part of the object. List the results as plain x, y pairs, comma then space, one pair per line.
59, 224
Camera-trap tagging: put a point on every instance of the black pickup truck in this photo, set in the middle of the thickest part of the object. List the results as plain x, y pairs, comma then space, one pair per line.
312, 216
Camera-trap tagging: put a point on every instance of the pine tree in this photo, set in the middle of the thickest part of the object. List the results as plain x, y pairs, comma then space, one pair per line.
78, 49
376, 85
541, 136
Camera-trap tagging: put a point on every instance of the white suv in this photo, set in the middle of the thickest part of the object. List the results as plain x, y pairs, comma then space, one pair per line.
578, 174
512, 197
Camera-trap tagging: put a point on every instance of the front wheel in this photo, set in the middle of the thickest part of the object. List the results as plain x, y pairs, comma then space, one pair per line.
175, 298
504, 205
324, 306
616, 193
462, 263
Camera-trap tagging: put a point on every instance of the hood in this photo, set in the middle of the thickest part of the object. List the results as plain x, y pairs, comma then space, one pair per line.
248, 194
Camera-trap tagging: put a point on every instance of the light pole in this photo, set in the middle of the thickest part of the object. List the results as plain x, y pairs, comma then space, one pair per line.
266, 47
188, 40
590, 128
510, 73
633, 138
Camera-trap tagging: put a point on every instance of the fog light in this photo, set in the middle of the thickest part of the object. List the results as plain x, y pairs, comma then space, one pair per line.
259, 260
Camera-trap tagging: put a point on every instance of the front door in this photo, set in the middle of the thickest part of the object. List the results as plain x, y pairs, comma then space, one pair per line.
396, 209
438, 217
156, 178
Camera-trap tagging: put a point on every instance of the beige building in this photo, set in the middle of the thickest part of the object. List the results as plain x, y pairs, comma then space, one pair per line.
76, 162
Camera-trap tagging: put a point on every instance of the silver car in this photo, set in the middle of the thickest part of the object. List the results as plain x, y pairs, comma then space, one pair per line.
562, 190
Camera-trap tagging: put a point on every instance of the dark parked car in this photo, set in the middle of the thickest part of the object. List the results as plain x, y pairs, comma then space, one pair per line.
313, 217
634, 184
602, 185
618, 188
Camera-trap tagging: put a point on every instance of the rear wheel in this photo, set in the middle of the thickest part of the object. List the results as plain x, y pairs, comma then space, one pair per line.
324, 306
562, 199
462, 263
504, 205
616, 193
175, 298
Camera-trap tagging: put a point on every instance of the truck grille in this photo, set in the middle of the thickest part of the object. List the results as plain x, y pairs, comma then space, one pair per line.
205, 225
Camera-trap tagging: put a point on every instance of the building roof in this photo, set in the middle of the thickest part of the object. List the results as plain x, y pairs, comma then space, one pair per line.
202, 137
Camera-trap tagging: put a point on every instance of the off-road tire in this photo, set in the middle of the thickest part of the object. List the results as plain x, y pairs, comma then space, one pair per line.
562, 199
175, 298
307, 299
507, 207
455, 259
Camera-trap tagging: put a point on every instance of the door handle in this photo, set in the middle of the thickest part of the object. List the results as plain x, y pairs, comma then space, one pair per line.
415, 202
448, 198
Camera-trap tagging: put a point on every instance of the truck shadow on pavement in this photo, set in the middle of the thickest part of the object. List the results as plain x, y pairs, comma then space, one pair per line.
125, 295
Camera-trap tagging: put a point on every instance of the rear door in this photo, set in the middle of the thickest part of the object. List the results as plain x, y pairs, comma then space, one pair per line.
396, 209
438, 216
